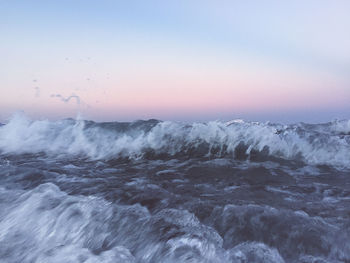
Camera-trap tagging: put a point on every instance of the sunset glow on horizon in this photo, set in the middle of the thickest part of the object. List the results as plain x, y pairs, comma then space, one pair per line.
189, 60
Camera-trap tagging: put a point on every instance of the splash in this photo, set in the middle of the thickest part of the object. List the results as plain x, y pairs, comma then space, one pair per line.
67, 99
327, 143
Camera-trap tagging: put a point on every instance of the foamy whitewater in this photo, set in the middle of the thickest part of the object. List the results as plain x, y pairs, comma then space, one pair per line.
159, 191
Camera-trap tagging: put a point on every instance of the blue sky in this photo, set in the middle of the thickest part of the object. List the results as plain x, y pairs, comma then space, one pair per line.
181, 60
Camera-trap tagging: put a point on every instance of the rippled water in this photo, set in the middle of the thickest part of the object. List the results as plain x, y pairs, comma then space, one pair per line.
150, 191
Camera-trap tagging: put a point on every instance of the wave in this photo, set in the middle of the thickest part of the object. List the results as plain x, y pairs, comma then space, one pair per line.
47, 225
326, 143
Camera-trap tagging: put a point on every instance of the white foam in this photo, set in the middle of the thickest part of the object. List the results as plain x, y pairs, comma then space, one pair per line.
47, 225
22, 135
255, 252
341, 126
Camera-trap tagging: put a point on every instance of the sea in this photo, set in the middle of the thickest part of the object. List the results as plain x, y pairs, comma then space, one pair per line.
78, 191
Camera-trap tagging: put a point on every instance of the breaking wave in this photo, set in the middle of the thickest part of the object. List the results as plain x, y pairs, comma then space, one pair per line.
327, 143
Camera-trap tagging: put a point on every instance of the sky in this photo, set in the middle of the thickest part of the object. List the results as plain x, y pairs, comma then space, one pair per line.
184, 60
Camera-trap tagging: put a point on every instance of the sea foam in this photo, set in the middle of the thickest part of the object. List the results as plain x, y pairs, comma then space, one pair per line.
327, 143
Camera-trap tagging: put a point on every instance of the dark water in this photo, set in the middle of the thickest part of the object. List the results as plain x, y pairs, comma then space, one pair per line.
150, 191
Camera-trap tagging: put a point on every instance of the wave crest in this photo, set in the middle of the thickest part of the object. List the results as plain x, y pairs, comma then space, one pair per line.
327, 143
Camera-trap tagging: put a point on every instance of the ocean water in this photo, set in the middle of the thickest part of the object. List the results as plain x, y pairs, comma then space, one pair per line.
154, 191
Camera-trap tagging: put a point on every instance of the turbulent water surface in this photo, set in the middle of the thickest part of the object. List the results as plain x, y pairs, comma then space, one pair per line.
152, 191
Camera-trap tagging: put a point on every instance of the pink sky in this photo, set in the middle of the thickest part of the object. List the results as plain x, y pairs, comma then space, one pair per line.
192, 61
